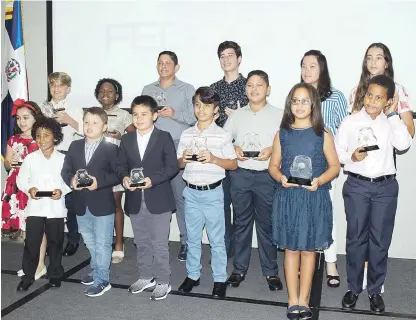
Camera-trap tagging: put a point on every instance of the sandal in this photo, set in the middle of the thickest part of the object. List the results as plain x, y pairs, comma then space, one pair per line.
305, 313
330, 279
117, 256
292, 312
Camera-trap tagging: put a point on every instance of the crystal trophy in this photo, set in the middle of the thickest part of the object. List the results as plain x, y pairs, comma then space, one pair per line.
197, 145
301, 171
367, 140
56, 111
83, 178
137, 178
18, 151
251, 145
161, 100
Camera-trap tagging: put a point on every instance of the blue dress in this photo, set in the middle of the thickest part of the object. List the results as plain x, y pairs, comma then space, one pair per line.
302, 219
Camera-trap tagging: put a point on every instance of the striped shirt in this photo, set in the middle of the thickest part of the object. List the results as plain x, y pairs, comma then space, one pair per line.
334, 110
90, 149
218, 142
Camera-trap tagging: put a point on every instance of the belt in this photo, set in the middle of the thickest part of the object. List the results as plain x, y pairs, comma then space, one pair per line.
204, 188
378, 179
63, 151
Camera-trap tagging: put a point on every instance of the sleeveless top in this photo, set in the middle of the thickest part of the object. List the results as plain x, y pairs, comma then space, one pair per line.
295, 142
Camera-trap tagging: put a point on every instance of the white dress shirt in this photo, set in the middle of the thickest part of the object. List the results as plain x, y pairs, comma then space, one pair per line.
75, 112
142, 141
45, 175
389, 133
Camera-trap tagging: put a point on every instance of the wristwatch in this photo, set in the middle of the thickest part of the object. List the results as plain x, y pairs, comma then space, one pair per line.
391, 114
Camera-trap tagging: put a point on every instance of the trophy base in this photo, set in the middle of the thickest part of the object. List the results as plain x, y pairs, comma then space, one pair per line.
194, 157
299, 181
139, 184
63, 125
17, 165
369, 148
41, 194
251, 154
160, 108
84, 184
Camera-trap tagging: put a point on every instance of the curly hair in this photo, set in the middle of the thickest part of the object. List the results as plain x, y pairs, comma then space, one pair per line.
36, 114
50, 124
116, 85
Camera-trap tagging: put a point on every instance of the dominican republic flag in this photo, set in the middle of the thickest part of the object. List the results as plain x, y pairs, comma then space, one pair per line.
14, 80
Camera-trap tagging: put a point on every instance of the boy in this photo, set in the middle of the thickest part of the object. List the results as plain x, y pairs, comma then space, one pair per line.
204, 197
71, 121
95, 206
150, 206
232, 92
371, 190
175, 114
44, 214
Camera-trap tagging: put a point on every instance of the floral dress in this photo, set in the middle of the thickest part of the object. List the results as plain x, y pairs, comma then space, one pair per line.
14, 200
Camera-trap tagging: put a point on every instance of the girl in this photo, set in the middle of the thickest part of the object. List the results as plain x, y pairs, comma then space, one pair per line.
45, 213
109, 93
14, 200
302, 215
378, 60
334, 106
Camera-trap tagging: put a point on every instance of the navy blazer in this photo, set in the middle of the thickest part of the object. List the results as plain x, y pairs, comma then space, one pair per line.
102, 166
159, 163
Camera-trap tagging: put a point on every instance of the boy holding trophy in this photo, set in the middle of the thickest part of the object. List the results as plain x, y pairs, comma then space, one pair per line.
147, 162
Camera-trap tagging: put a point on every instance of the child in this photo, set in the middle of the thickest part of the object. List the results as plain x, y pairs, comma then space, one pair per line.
109, 93
371, 190
302, 215
253, 128
94, 208
150, 206
69, 116
204, 196
44, 213
18, 147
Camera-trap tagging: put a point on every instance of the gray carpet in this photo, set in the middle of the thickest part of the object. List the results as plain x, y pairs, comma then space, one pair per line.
69, 302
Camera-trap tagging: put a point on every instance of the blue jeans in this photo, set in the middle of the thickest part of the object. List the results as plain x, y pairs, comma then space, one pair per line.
205, 208
97, 233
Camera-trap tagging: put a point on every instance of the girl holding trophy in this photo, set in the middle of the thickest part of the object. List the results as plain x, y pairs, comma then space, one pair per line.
303, 162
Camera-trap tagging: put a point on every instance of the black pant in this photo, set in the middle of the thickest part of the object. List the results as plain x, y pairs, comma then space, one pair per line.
252, 193
73, 235
370, 209
229, 224
54, 230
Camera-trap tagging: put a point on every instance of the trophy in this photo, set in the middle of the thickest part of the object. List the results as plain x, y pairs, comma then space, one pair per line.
137, 178
18, 151
301, 171
251, 145
367, 138
161, 100
198, 144
83, 178
52, 112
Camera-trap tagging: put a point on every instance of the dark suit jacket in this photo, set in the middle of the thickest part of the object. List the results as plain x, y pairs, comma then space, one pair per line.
102, 166
159, 163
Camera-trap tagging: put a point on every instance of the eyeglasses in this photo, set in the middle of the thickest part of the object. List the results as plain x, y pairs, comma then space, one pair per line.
304, 102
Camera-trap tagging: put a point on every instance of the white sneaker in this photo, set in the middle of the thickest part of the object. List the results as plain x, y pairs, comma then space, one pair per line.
161, 292
141, 285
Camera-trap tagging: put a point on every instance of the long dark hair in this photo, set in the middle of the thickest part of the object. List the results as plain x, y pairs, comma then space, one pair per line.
324, 81
366, 76
316, 115
37, 114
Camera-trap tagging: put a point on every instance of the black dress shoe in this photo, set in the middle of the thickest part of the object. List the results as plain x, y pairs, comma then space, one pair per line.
349, 300
182, 252
377, 304
274, 283
188, 284
24, 285
70, 249
55, 282
235, 279
219, 290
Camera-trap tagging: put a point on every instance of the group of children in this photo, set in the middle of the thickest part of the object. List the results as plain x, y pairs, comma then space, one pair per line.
295, 218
